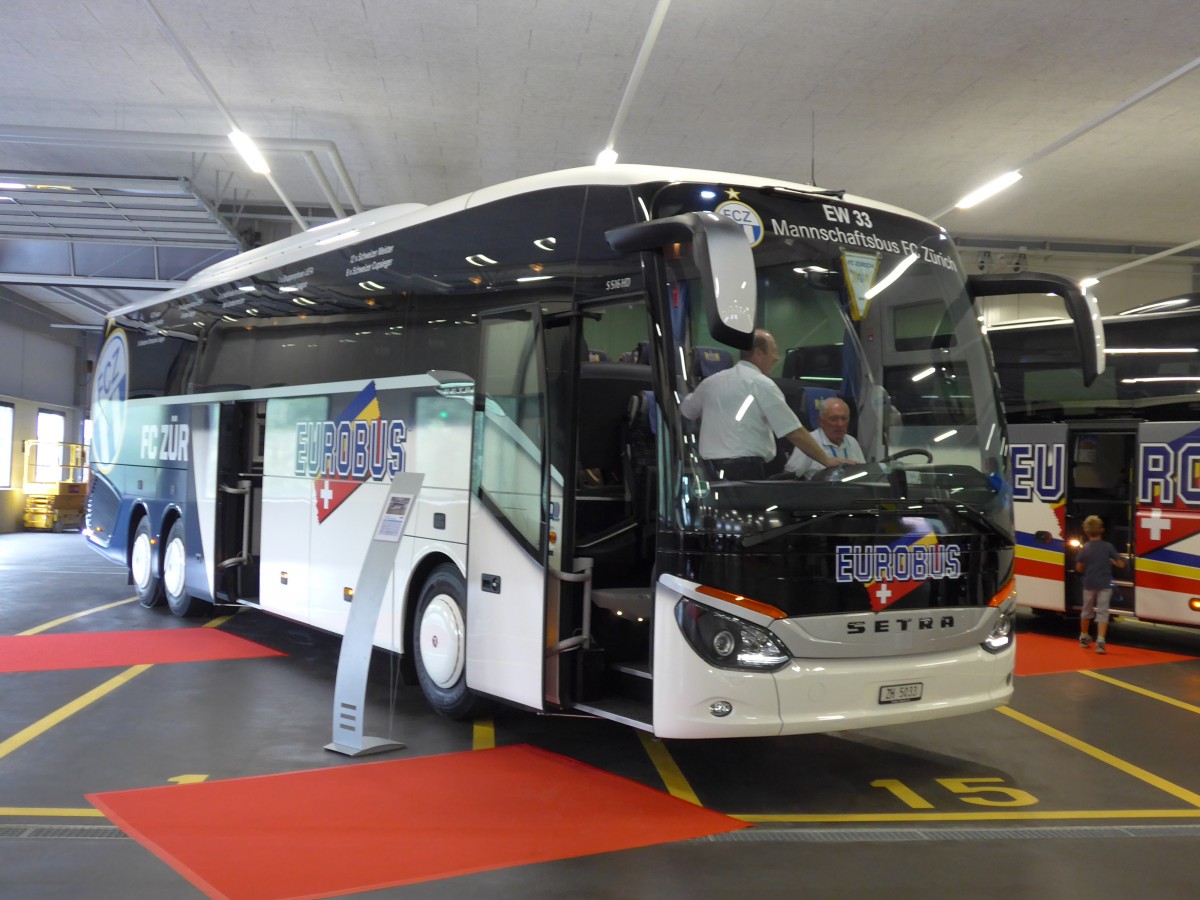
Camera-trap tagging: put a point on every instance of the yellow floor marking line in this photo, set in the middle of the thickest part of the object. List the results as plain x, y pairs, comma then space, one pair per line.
1139, 690
79, 615
25, 735
220, 620
42, 812
996, 816
483, 735
670, 773
1095, 752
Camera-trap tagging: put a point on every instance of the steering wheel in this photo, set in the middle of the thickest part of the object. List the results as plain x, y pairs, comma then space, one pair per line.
901, 454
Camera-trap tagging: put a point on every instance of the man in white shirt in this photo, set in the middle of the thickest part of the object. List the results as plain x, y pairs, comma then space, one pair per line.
741, 412
833, 418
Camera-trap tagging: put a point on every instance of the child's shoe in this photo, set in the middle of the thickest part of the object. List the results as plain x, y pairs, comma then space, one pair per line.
1085, 641
1100, 647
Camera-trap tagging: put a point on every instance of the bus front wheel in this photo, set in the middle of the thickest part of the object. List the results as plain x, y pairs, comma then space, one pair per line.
174, 568
440, 643
143, 566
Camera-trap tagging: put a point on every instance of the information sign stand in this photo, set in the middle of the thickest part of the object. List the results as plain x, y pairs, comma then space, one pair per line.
354, 662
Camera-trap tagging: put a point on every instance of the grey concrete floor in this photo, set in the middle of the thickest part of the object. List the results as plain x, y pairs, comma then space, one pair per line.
1103, 775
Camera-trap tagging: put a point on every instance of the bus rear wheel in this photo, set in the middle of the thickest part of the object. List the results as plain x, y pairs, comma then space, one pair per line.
143, 566
179, 600
440, 644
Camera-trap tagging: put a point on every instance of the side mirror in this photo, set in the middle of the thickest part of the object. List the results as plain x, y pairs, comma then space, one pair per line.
1081, 307
723, 259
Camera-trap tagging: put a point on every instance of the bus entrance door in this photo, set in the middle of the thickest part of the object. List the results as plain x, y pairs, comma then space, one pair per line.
511, 512
239, 501
1101, 470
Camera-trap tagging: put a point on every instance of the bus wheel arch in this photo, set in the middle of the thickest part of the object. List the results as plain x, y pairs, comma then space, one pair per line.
145, 563
439, 642
174, 570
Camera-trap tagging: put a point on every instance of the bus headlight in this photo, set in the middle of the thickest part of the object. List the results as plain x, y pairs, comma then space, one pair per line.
726, 641
1001, 637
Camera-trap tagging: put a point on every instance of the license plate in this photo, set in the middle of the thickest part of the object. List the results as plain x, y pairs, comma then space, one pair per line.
900, 693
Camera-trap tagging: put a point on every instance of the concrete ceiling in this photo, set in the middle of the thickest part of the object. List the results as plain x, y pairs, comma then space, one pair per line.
915, 102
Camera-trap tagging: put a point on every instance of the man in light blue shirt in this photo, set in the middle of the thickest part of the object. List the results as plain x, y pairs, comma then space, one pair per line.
833, 420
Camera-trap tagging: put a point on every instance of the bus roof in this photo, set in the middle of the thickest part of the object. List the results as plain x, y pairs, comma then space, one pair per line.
386, 219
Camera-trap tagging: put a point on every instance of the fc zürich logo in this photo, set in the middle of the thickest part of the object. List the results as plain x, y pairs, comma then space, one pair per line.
343, 453
891, 572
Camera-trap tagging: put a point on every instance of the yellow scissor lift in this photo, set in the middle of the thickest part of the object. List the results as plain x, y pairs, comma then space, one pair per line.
56, 485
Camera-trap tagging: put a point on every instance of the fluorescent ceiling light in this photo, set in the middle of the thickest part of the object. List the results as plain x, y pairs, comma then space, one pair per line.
993, 187
12, 186
924, 373
1151, 350
607, 157
250, 153
535, 278
1086, 283
330, 224
1160, 378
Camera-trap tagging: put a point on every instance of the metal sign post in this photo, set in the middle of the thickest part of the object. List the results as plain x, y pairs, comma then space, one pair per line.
354, 662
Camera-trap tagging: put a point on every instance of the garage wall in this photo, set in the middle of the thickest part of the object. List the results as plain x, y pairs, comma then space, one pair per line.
38, 371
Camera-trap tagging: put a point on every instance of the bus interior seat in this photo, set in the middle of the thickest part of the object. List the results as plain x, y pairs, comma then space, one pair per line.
604, 390
597, 356
821, 362
817, 396
795, 394
710, 360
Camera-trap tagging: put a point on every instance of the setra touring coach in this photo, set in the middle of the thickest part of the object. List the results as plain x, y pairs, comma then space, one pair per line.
525, 348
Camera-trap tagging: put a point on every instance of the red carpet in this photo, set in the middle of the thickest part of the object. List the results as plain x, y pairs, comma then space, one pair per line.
104, 649
1038, 654
366, 826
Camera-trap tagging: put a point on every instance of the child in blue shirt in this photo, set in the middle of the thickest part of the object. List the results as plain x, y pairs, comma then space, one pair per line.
1095, 561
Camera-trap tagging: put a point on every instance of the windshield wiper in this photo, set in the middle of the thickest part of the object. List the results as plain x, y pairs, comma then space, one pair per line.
815, 193
972, 515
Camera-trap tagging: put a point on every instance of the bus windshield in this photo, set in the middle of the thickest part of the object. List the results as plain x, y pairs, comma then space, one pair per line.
872, 308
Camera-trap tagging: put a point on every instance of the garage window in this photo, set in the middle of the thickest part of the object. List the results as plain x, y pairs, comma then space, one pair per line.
51, 430
6, 444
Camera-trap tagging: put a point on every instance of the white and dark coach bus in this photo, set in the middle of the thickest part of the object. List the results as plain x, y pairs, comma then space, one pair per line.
525, 348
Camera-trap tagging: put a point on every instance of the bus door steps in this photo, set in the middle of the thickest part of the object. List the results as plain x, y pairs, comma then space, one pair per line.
631, 680
620, 709
634, 669
634, 603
